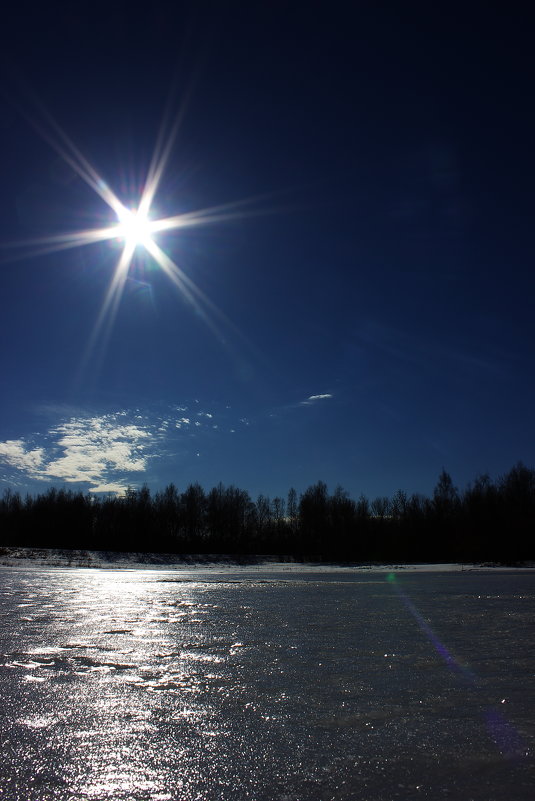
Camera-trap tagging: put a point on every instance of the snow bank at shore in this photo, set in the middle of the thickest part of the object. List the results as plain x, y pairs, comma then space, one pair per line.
50, 557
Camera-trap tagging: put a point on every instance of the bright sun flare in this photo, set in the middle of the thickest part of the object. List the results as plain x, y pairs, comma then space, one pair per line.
134, 228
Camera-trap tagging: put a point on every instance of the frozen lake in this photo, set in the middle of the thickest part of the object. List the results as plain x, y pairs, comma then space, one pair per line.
266, 684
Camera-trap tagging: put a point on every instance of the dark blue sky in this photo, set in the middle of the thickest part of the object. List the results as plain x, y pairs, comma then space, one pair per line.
372, 300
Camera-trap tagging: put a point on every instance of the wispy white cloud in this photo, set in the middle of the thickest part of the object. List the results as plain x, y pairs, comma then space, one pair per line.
110, 486
95, 447
313, 398
109, 452
97, 451
15, 453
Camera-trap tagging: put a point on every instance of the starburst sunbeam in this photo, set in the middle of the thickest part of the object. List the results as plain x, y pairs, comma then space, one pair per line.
134, 225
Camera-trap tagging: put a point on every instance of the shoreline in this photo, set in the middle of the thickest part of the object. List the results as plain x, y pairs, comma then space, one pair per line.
115, 560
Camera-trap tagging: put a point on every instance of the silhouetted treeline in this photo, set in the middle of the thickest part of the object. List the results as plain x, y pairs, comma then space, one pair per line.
488, 521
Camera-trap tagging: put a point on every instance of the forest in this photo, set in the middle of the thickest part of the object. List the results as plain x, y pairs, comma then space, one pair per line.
488, 521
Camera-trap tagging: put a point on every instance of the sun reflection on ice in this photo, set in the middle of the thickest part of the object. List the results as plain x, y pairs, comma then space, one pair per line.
280, 690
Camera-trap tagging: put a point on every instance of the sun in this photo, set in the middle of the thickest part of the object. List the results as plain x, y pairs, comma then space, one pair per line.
134, 228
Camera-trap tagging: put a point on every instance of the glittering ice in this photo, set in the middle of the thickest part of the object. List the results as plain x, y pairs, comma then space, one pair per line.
266, 684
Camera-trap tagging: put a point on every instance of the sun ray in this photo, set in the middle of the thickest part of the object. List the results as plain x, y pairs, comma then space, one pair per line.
165, 142
202, 304
69, 152
186, 286
162, 152
74, 238
211, 215
108, 310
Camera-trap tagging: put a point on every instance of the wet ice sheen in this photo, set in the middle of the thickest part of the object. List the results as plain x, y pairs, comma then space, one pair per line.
268, 685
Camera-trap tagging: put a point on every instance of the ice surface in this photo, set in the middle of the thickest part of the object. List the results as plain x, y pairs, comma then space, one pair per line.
268, 683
